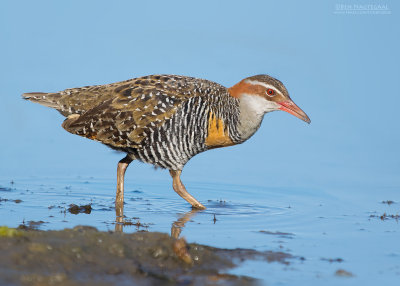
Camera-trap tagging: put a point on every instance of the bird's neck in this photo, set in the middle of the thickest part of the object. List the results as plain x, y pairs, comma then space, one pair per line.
252, 111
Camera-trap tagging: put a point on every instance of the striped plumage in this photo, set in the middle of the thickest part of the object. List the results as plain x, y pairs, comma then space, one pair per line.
165, 120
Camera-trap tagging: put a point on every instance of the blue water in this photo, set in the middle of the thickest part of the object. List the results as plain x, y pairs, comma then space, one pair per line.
317, 224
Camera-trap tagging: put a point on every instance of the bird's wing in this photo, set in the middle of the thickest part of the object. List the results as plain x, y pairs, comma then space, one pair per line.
132, 108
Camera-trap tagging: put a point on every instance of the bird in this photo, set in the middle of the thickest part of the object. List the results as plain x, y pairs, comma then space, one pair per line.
165, 120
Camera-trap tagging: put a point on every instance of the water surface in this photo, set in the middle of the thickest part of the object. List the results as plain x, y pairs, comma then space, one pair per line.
327, 230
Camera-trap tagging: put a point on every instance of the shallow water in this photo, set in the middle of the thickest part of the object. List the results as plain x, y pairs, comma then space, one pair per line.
327, 229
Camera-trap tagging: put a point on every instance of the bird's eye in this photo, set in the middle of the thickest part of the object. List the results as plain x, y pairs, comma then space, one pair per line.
270, 92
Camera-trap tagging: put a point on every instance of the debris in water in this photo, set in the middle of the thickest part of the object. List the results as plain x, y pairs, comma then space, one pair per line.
30, 225
75, 209
331, 260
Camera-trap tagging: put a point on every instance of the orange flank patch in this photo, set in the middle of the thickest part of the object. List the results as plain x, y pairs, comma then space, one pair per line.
217, 137
92, 136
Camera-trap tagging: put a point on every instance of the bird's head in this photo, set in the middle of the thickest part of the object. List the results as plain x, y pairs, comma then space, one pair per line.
262, 94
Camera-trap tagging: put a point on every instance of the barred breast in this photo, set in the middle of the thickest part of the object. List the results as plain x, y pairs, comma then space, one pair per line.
199, 124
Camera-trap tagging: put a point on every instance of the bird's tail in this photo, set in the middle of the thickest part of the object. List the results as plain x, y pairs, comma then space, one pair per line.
43, 98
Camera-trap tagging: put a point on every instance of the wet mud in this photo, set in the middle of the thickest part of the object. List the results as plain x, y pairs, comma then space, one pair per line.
85, 256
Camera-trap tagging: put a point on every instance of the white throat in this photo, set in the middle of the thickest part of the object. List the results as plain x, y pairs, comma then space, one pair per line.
252, 110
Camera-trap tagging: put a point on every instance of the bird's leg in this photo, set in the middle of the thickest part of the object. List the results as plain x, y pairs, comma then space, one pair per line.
119, 200
180, 189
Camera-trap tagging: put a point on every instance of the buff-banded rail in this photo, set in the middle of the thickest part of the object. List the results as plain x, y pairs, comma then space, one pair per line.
165, 120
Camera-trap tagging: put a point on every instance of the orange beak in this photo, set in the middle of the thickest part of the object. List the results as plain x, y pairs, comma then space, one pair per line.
290, 107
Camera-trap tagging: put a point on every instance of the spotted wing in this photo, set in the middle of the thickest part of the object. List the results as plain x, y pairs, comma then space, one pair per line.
124, 120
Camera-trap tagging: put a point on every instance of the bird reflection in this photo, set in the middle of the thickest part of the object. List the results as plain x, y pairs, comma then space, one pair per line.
119, 217
176, 227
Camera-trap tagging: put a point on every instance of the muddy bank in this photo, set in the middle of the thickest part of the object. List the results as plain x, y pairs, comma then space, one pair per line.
85, 256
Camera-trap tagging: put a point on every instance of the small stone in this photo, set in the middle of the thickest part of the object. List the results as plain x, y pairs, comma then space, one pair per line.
180, 249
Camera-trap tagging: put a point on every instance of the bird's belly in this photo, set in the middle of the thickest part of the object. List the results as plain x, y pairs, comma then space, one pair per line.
174, 144
167, 155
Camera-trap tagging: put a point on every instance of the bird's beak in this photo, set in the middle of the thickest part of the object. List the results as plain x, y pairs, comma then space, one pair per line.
290, 107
